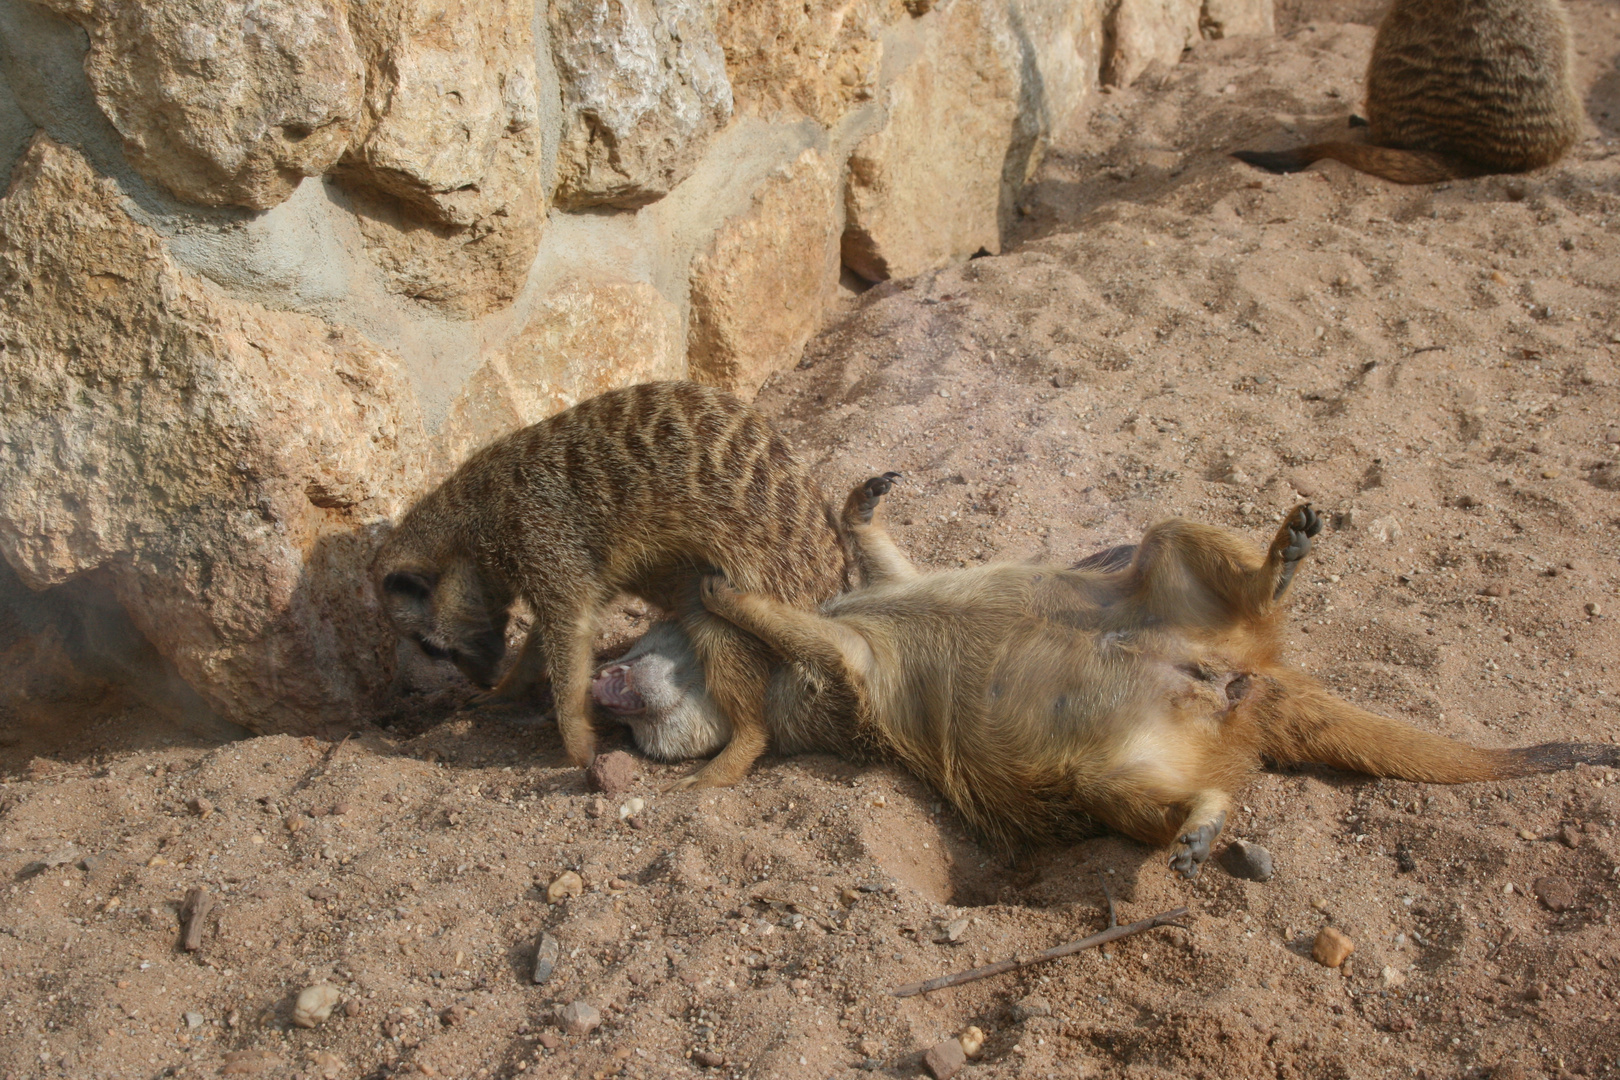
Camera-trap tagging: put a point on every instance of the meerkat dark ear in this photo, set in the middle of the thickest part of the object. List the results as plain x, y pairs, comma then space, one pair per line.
411, 583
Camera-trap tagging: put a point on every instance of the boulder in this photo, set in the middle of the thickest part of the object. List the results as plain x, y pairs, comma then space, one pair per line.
224, 102
1237, 18
1060, 45
219, 467
936, 180
1149, 33
761, 287
446, 168
583, 338
644, 87
818, 59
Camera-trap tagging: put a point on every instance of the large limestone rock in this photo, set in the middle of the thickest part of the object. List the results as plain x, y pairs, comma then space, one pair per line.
761, 287
644, 87
934, 182
224, 101
1237, 18
447, 165
1060, 45
219, 467
819, 58
584, 338
1149, 33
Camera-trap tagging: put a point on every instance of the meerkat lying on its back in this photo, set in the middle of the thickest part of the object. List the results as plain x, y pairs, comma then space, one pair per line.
1459, 88
1139, 689
641, 490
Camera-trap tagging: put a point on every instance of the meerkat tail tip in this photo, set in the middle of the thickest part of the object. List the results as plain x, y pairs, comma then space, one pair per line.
1275, 161
1558, 757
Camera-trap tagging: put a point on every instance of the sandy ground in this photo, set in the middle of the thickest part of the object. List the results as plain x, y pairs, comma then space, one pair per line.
1174, 334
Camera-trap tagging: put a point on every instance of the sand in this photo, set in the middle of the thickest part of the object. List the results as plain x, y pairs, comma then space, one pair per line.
1172, 333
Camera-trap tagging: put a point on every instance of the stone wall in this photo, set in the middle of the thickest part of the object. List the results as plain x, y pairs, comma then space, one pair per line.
269, 268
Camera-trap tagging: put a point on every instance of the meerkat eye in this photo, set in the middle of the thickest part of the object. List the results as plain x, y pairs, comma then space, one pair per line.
409, 583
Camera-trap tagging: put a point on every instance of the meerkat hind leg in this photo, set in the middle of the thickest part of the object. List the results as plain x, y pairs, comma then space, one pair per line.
1196, 837
876, 556
792, 634
736, 671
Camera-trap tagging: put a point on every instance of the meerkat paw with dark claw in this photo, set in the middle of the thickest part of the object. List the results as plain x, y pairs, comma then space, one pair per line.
1303, 524
865, 499
1193, 848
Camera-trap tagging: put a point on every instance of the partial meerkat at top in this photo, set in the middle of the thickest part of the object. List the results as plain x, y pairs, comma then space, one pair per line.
641, 490
1139, 689
1459, 88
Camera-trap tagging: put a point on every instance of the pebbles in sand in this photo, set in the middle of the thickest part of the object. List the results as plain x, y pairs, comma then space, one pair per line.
315, 1004
1331, 948
1248, 861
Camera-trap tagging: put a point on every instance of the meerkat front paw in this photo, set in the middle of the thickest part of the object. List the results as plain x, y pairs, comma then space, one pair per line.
717, 594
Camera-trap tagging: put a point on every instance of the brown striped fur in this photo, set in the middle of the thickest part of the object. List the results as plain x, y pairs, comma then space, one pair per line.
1138, 689
640, 490
1459, 88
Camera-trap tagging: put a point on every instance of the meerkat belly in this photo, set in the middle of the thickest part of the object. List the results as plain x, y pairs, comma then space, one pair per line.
1107, 705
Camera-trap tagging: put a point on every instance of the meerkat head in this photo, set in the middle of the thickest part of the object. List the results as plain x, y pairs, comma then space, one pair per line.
657, 690
448, 609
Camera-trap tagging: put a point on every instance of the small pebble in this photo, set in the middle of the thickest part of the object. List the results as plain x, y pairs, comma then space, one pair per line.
709, 1059
339, 809
1392, 977
972, 1041
1526, 834
549, 1039
1246, 860
1331, 948
578, 1018
200, 806
565, 885
1496, 588
328, 1066
1032, 1006
315, 1004
194, 1020
1570, 836
612, 773
952, 931
597, 809
944, 1059
632, 806
1554, 893
1594, 610
545, 958
249, 1062
454, 1015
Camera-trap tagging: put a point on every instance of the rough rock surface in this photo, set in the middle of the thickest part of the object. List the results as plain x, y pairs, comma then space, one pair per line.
644, 86
224, 101
584, 337
1149, 33
928, 186
817, 59
447, 167
1237, 18
762, 287
221, 464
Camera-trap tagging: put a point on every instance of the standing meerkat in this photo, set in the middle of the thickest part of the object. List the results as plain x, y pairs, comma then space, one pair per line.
1139, 689
1459, 88
641, 490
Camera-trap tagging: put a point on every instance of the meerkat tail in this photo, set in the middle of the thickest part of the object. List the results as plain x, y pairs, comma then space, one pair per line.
1400, 166
1303, 723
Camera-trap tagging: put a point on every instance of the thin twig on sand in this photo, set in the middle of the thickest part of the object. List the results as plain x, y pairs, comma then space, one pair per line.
1103, 937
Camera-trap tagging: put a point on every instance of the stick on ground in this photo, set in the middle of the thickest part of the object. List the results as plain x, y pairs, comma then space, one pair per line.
194, 918
1113, 933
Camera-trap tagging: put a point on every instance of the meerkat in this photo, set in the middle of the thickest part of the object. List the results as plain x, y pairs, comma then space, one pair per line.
1459, 88
1138, 689
640, 491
